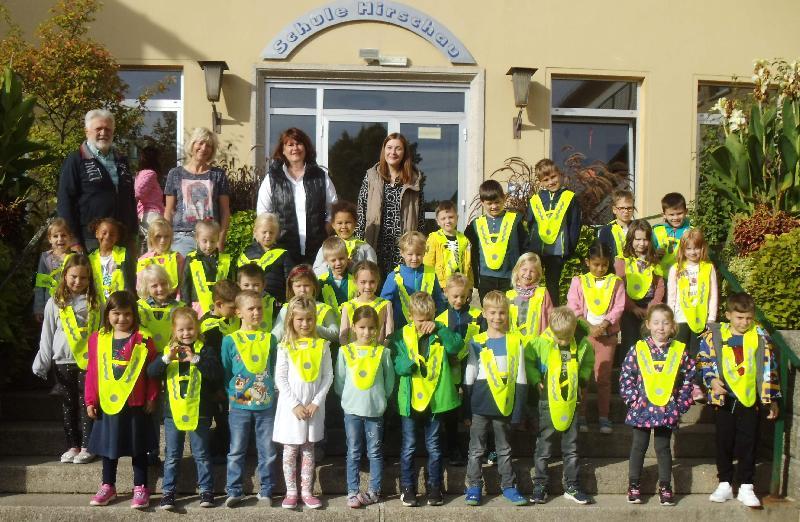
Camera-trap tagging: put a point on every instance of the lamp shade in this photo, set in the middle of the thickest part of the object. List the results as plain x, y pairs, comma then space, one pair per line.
213, 72
521, 79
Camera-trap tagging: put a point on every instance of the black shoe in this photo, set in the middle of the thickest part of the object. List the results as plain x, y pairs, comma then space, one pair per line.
408, 497
539, 495
167, 501
665, 495
435, 496
634, 495
206, 499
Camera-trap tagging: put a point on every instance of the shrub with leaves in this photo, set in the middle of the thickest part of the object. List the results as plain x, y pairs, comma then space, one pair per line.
708, 211
240, 232
575, 265
749, 233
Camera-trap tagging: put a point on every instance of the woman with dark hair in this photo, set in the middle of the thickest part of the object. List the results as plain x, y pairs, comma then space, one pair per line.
300, 193
149, 196
390, 201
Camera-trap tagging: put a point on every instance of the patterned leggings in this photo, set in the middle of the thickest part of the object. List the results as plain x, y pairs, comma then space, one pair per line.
290, 453
77, 424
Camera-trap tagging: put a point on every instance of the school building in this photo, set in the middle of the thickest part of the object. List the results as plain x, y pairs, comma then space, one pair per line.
625, 83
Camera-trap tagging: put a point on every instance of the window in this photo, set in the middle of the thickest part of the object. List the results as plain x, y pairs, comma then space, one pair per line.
163, 117
594, 136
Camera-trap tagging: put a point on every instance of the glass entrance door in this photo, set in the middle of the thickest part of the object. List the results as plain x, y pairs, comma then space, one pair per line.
353, 146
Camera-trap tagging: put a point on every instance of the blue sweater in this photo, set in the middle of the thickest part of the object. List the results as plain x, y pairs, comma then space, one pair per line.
412, 281
246, 390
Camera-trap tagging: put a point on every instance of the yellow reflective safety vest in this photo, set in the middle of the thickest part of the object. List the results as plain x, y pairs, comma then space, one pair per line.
494, 246
695, 308
203, 287
254, 352
637, 282
268, 309
329, 294
501, 384
117, 282
185, 408
170, 263
562, 410
322, 311
427, 285
77, 336
265, 261
668, 244
529, 326
619, 236
658, 384
226, 326
377, 304
598, 299
157, 321
113, 392
363, 368
549, 221
352, 245
452, 263
472, 330
306, 357
423, 386
50, 281
743, 386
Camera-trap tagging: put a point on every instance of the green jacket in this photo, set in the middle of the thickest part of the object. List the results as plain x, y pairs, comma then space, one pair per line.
538, 350
445, 396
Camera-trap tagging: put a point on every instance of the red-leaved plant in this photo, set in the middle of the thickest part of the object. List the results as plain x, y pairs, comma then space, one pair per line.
750, 232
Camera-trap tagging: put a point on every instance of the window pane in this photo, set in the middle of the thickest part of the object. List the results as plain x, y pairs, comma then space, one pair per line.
435, 149
280, 122
293, 98
594, 94
370, 100
139, 80
354, 146
708, 94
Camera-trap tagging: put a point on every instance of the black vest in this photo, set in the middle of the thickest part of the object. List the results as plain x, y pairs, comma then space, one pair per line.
283, 205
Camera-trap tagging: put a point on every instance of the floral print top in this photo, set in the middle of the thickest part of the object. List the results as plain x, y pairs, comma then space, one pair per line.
641, 412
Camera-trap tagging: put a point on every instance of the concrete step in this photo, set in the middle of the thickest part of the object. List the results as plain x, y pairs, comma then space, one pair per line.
604, 476
67, 508
36, 405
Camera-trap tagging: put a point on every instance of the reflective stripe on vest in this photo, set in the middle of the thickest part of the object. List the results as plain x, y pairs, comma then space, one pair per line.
254, 353
561, 410
377, 304
549, 221
77, 336
322, 311
202, 286
185, 408
423, 387
363, 368
472, 330
530, 325
494, 246
268, 310
306, 357
117, 282
669, 245
113, 392
502, 390
658, 384
637, 282
329, 293
427, 285
50, 281
619, 238
695, 308
452, 264
226, 326
170, 263
598, 299
265, 261
159, 328
352, 245
743, 386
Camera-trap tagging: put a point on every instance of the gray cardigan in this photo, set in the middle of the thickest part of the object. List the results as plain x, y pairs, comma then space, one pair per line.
53, 346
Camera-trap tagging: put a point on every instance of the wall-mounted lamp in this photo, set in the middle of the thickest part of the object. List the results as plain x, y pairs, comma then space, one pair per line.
374, 57
521, 80
213, 72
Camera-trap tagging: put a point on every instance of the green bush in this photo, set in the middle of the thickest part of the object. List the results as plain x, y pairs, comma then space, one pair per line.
575, 265
240, 232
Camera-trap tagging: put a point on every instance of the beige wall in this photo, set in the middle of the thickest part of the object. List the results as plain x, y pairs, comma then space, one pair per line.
668, 45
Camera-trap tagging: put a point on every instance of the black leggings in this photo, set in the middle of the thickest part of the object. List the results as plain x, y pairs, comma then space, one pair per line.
139, 470
77, 424
639, 445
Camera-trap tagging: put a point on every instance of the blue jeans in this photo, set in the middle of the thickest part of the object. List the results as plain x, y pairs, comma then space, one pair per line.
241, 423
199, 442
183, 243
430, 424
356, 427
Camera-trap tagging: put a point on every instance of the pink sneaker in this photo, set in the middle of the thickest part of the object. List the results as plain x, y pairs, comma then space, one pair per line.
289, 502
141, 497
104, 495
312, 502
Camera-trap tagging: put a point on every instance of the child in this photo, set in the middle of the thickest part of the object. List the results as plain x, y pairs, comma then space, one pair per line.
497, 388
739, 367
248, 361
51, 263
156, 303
447, 250
204, 267
561, 363
345, 217
70, 317
251, 277
275, 262
364, 380
303, 283
304, 374
530, 302
190, 374
422, 351
599, 298
366, 275
554, 224
614, 234
111, 267
337, 284
159, 244
412, 276
120, 398
656, 384
692, 294
667, 236
497, 238
640, 272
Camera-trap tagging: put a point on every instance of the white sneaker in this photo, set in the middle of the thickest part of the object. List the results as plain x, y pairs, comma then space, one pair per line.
69, 455
84, 457
723, 492
747, 496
